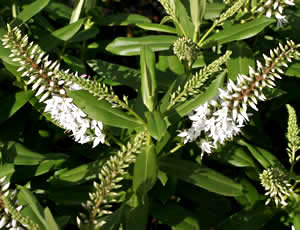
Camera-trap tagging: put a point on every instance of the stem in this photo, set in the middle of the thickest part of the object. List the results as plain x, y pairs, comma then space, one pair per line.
131, 111
206, 34
181, 28
196, 34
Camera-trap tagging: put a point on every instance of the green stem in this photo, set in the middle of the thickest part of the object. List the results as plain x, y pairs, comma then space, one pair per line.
131, 111
181, 28
206, 34
196, 34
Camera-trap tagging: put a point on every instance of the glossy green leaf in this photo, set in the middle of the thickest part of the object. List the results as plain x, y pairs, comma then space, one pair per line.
157, 27
102, 110
209, 93
135, 213
33, 209
50, 41
76, 11
77, 175
132, 46
182, 12
157, 126
12, 103
174, 215
198, 9
51, 224
213, 10
254, 218
238, 31
240, 60
145, 171
119, 19
296, 220
235, 155
148, 81
293, 70
112, 221
59, 9
264, 157
18, 154
29, 11
6, 169
75, 63
85, 35
116, 73
201, 176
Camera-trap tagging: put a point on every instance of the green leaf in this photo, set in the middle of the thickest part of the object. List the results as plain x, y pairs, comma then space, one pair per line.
116, 73
58, 9
213, 10
209, 93
29, 11
145, 172
102, 110
76, 11
238, 31
148, 81
236, 156
50, 41
157, 126
157, 27
119, 19
198, 9
181, 11
175, 216
18, 154
293, 70
75, 63
78, 175
32, 209
12, 103
240, 60
132, 46
264, 157
85, 35
254, 218
51, 224
6, 169
201, 176
112, 221
135, 213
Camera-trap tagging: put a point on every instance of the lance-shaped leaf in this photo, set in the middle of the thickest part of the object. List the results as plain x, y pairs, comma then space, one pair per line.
157, 126
132, 46
238, 31
145, 171
201, 176
157, 27
148, 82
198, 8
102, 110
29, 11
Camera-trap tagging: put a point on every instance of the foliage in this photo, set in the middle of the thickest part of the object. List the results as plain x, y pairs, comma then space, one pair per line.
117, 117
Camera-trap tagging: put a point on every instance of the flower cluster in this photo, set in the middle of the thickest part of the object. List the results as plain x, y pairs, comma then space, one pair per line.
73, 119
44, 76
275, 8
276, 183
293, 136
222, 117
110, 176
271, 8
186, 50
10, 217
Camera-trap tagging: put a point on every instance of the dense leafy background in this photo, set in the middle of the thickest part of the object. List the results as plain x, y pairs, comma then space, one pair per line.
106, 39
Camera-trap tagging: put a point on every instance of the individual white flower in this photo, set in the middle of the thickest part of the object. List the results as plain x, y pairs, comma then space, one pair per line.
206, 146
280, 19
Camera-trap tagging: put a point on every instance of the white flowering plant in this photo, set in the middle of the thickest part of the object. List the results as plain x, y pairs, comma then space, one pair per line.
178, 125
